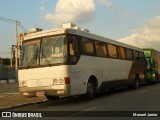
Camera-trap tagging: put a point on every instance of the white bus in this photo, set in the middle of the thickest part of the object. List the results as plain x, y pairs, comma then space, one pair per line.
71, 61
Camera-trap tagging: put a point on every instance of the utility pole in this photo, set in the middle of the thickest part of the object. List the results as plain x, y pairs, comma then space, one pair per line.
17, 46
11, 65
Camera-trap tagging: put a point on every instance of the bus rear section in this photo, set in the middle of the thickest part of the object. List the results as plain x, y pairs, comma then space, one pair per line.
153, 65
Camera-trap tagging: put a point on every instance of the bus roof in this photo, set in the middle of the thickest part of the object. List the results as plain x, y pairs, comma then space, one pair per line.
103, 39
79, 32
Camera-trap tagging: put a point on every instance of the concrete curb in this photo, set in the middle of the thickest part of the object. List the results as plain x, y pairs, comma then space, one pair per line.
20, 105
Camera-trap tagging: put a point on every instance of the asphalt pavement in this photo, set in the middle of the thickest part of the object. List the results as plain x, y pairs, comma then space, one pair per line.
144, 100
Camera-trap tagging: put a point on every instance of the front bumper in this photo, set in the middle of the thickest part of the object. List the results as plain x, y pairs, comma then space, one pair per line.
55, 90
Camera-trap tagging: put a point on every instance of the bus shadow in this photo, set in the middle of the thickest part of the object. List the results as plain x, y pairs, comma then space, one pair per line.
82, 99
106, 93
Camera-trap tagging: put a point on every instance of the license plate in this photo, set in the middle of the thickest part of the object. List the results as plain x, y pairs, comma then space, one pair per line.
40, 93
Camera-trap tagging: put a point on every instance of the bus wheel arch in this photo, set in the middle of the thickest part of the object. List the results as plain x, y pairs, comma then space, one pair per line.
92, 86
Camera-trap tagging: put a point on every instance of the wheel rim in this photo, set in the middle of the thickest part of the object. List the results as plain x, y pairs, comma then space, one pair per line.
156, 79
90, 89
136, 84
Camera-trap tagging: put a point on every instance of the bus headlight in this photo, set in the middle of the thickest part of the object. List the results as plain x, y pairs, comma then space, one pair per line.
23, 84
58, 81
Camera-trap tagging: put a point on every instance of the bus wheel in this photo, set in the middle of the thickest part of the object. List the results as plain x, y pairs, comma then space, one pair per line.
156, 79
136, 82
91, 90
52, 97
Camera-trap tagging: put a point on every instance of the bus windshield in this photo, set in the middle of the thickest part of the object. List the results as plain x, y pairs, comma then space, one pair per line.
30, 53
147, 53
51, 50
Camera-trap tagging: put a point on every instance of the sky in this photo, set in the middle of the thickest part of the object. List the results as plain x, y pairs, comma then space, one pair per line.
135, 22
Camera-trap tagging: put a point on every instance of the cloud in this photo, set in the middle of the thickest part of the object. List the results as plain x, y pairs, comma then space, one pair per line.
76, 11
42, 6
110, 5
145, 37
106, 3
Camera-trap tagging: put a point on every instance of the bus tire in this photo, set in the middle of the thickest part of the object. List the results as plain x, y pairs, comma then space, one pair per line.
52, 98
136, 82
156, 79
91, 90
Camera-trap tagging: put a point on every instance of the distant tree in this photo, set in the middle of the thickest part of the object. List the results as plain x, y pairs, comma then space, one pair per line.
5, 61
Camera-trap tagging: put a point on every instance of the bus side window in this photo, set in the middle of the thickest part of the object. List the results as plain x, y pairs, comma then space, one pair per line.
141, 56
87, 46
112, 50
73, 48
129, 54
135, 55
121, 53
101, 50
